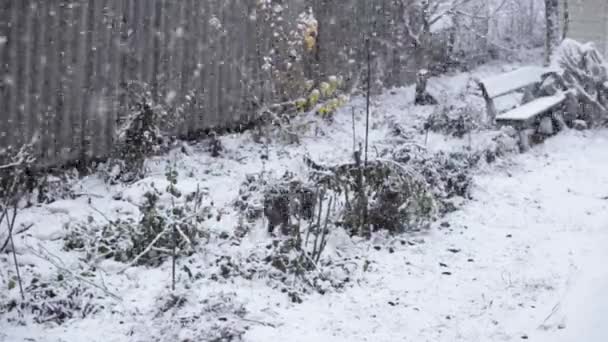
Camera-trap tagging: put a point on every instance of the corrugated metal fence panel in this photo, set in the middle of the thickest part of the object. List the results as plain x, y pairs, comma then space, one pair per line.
11, 77
65, 64
5, 88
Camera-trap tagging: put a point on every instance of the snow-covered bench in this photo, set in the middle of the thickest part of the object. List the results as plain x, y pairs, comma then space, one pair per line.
533, 111
520, 80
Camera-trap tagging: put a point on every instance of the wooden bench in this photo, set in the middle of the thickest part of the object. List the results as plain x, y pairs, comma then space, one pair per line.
532, 112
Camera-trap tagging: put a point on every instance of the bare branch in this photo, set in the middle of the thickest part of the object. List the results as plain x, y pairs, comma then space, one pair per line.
148, 249
452, 8
44, 254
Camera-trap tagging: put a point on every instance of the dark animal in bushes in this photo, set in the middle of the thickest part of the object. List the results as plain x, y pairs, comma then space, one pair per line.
276, 210
287, 200
306, 203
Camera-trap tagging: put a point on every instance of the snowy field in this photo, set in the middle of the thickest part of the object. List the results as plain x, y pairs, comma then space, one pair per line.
521, 260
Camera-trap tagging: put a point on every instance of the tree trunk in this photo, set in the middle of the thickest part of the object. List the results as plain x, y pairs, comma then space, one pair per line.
421, 57
553, 37
566, 18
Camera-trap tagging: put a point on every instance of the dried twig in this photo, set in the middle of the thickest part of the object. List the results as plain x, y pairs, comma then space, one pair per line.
324, 233
21, 231
41, 254
313, 263
318, 225
174, 257
103, 215
266, 324
354, 131
2, 216
11, 225
183, 235
140, 255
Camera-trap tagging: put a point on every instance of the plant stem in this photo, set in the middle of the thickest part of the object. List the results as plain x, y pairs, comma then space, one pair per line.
368, 95
354, 132
318, 227
10, 236
174, 257
324, 232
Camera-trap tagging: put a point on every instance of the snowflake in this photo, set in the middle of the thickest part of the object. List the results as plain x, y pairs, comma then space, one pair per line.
215, 23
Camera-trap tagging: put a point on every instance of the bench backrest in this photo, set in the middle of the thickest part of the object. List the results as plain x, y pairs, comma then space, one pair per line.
496, 86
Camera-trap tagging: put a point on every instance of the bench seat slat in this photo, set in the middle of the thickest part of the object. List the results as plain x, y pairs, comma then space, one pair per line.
533, 108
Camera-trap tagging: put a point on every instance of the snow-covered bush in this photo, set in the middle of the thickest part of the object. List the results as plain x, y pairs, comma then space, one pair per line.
506, 142
20, 176
392, 195
288, 200
399, 202
48, 188
16, 165
584, 70
15, 185
290, 67
582, 61
138, 135
457, 115
152, 238
306, 219
182, 318
291, 45
250, 201
454, 121
282, 201
314, 272
447, 175
54, 301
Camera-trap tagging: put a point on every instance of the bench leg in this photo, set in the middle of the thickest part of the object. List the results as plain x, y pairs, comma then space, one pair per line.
559, 121
546, 126
524, 139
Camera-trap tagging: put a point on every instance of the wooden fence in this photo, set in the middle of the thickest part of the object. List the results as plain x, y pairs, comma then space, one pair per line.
65, 64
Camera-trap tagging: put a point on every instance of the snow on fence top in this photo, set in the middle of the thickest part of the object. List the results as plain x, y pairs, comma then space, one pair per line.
506, 83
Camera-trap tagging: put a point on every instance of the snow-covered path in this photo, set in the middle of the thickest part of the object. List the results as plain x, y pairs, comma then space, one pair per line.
584, 309
524, 261
586, 306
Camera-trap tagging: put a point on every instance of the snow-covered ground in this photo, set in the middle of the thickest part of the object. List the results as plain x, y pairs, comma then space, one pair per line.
585, 305
530, 261
521, 260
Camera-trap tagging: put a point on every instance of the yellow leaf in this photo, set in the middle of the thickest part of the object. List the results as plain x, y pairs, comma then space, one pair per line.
310, 42
313, 99
301, 105
325, 89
